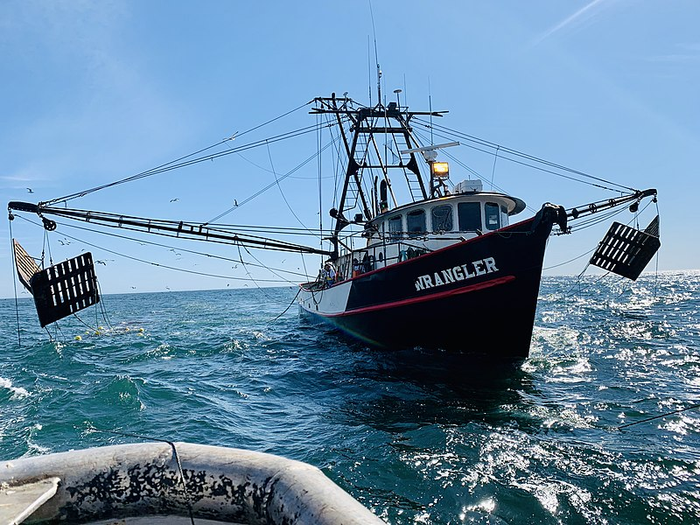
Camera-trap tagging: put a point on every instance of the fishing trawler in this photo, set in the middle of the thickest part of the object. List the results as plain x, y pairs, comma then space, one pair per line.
413, 259
417, 273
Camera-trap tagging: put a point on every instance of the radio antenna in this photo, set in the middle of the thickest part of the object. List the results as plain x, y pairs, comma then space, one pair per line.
369, 72
430, 108
376, 58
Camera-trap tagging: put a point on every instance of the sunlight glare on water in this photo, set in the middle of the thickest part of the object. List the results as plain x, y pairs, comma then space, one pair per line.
418, 437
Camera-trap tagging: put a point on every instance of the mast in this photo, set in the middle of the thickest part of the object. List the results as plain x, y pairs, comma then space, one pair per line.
359, 127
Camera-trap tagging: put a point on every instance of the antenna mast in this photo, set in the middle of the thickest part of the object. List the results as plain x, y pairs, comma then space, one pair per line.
376, 58
430, 108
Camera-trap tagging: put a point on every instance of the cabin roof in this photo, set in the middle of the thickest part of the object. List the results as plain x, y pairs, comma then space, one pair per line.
513, 204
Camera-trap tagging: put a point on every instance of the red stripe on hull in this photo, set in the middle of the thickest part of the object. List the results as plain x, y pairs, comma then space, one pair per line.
424, 299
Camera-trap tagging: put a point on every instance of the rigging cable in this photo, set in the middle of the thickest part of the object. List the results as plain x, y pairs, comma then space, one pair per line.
376, 59
273, 271
319, 174
174, 164
152, 263
274, 119
263, 190
14, 277
250, 277
94, 329
284, 198
493, 168
57, 329
468, 168
143, 174
570, 261
526, 156
588, 224
288, 307
151, 243
102, 306
338, 168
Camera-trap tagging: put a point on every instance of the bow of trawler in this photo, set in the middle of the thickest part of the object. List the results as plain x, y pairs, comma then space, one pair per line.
436, 272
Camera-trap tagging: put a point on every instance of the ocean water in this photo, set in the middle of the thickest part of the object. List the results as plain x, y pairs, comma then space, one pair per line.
418, 437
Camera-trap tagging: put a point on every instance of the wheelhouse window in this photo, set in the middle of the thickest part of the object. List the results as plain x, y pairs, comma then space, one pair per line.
415, 222
441, 218
395, 227
469, 216
504, 216
492, 213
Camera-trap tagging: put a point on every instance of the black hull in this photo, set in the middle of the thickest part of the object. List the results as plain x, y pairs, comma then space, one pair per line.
477, 296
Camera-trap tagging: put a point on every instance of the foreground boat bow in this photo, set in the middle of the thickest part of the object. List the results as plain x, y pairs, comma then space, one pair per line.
177, 482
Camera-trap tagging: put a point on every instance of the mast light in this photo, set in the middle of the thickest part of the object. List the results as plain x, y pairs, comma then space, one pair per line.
440, 170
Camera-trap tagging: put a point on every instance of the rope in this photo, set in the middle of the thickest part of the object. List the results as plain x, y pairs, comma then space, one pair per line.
177, 460
288, 307
691, 407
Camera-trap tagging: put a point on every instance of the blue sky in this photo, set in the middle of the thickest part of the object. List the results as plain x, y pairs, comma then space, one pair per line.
92, 92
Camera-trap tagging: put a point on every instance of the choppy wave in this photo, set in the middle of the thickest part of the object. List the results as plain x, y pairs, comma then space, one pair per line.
419, 437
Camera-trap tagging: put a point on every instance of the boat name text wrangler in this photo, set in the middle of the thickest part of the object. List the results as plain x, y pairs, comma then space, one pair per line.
457, 273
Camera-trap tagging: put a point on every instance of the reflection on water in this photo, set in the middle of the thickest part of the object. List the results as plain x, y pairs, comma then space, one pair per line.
421, 437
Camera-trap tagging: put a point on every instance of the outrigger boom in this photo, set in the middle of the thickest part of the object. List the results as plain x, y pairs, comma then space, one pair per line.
179, 229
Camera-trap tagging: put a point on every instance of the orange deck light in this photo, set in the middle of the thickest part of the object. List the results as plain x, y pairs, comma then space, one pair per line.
440, 169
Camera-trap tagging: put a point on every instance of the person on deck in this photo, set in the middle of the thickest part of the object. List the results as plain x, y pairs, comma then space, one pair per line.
356, 268
329, 274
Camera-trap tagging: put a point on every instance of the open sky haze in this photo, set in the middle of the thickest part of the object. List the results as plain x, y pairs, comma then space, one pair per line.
93, 92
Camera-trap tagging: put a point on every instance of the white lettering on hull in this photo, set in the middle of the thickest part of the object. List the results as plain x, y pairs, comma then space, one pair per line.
457, 273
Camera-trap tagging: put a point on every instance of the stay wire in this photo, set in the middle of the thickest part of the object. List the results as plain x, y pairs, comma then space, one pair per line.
516, 153
493, 168
14, 279
271, 185
276, 118
172, 164
141, 175
157, 244
284, 197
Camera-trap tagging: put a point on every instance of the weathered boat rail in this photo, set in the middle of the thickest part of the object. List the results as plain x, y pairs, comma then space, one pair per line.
180, 480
